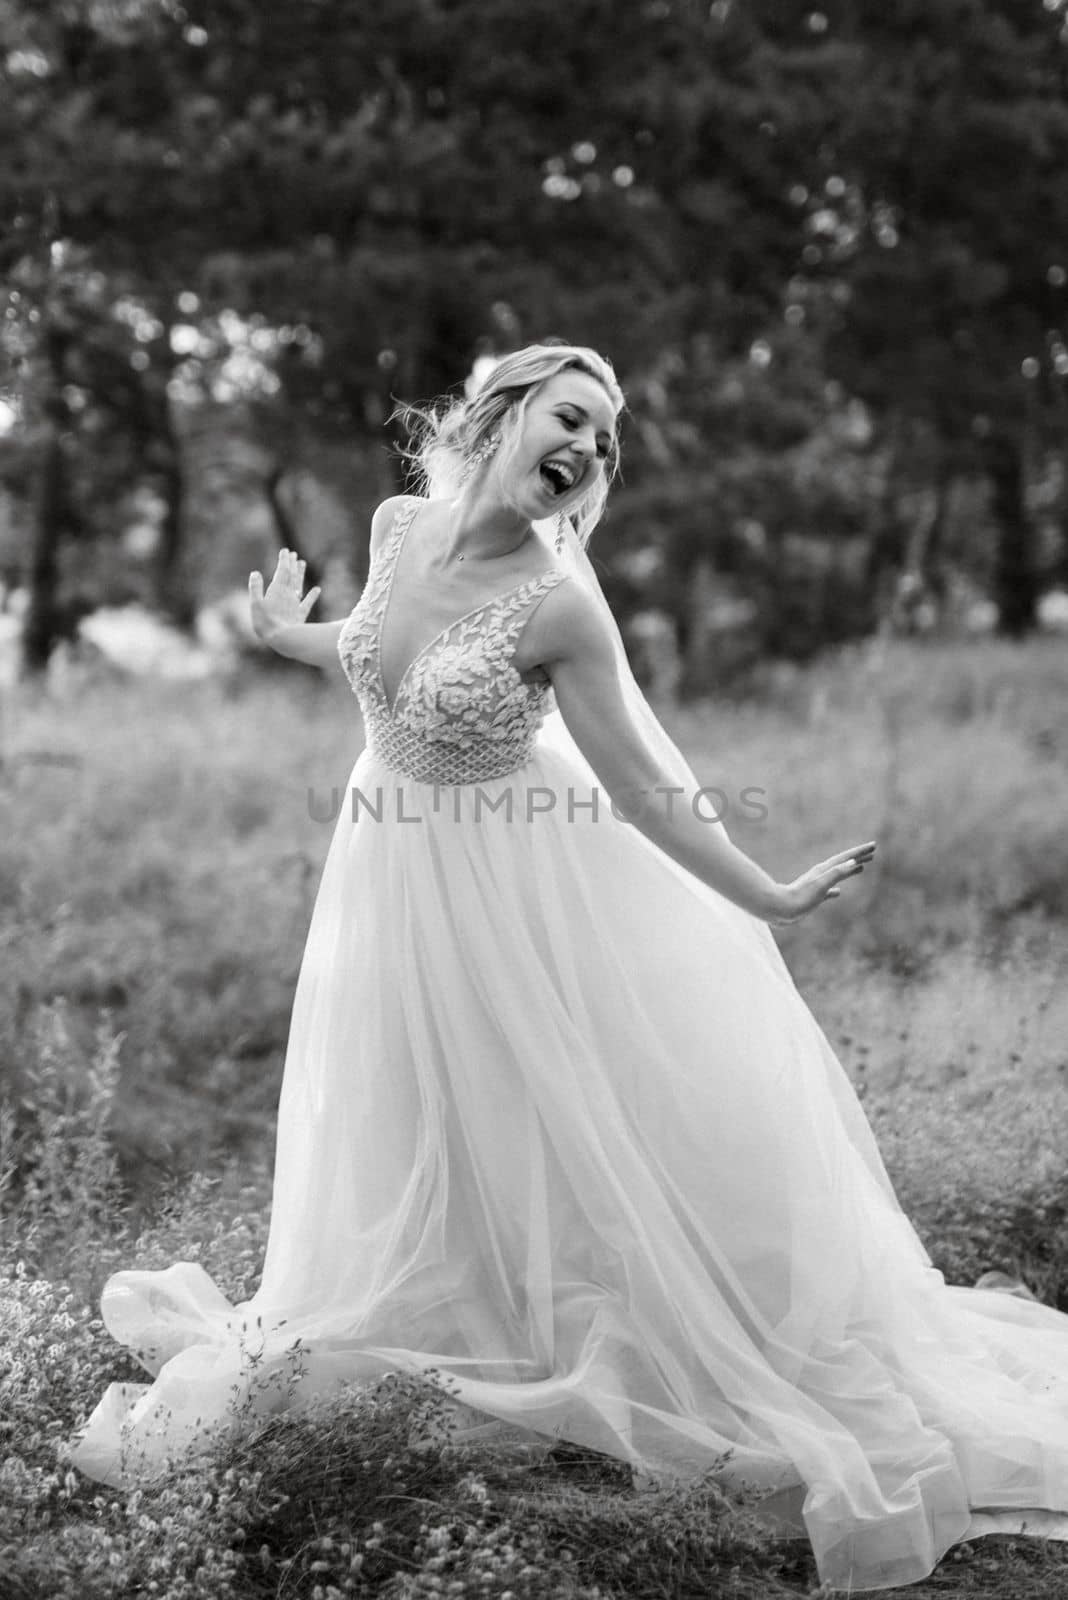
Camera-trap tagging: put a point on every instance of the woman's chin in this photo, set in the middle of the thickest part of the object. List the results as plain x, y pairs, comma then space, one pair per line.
541, 505
554, 504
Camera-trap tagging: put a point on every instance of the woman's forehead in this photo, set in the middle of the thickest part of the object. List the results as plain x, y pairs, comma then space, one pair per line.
582, 390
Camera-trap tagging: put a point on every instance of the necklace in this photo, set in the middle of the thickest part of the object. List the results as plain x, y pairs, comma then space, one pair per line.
561, 530
561, 524
523, 540
460, 554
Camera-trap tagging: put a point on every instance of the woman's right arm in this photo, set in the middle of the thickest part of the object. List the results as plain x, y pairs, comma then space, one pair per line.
278, 615
579, 655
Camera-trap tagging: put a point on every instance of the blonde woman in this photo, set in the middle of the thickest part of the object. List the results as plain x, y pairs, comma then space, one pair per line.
554, 1118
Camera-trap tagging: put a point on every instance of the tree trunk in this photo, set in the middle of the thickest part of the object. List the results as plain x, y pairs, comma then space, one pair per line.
44, 624
285, 528
1017, 581
173, 594
1061, 569
693, 629
931, 561
172, 590
887, 532
1060, 566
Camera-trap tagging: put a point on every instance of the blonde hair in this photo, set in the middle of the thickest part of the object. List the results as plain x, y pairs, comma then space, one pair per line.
446, 438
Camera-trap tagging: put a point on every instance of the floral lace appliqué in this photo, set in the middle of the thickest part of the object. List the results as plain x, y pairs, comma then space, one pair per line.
462, 713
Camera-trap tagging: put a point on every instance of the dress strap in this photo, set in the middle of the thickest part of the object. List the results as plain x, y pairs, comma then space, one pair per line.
403, 517
511, 611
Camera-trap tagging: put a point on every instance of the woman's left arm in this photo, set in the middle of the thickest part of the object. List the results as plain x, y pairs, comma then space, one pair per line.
577, 651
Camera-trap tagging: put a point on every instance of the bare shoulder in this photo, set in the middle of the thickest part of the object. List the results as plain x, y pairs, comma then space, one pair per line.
384, 517
570, 625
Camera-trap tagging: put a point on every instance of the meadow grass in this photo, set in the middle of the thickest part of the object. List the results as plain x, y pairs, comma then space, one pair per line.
158, 864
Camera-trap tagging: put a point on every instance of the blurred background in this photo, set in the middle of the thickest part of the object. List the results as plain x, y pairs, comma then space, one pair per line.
827, 251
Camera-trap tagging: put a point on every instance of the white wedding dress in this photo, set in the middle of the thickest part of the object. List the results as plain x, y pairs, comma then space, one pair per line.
556, 1122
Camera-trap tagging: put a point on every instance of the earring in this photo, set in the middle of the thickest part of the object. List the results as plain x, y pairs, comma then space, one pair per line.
479, 456
561, 532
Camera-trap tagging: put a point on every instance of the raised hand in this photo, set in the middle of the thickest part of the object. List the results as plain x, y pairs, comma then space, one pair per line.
282, 605
821, 882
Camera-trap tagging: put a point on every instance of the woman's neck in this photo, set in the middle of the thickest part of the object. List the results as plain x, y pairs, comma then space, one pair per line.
483, 527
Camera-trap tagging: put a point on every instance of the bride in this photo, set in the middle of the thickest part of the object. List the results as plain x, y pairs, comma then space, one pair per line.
554, 1119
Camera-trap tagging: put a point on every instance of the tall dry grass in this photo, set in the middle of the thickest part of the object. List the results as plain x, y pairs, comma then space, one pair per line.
158, 866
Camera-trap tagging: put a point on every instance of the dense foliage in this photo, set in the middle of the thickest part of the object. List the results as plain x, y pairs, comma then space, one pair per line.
827, 249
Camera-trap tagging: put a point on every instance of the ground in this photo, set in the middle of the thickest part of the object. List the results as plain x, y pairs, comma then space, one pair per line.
159, 855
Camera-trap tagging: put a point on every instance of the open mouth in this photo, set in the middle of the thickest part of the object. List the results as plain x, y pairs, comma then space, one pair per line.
558, 476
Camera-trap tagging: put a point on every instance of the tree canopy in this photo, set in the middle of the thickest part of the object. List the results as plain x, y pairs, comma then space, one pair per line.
826, 249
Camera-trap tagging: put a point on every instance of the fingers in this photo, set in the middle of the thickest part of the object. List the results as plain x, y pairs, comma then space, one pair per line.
851, 865
822, 881
309, 600
855, 852
846, 870
827, 875
255, 585
291, 569
845, 863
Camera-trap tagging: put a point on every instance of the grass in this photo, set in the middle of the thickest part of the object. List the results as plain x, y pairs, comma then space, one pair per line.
157, 866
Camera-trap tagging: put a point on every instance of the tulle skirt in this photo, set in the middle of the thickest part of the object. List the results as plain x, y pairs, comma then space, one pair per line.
556, 1122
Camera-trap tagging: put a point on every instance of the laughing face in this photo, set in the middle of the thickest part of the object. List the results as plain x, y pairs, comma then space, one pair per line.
569, 430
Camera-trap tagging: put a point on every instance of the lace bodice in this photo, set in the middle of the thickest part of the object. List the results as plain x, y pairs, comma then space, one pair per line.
462, 713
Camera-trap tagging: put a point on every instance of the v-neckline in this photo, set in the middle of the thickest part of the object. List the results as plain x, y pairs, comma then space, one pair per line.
406, 518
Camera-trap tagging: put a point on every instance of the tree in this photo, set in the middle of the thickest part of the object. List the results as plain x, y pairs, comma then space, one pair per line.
323, 208
938, 235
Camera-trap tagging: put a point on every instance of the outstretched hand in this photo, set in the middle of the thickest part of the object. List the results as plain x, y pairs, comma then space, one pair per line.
282, 605
822, 881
